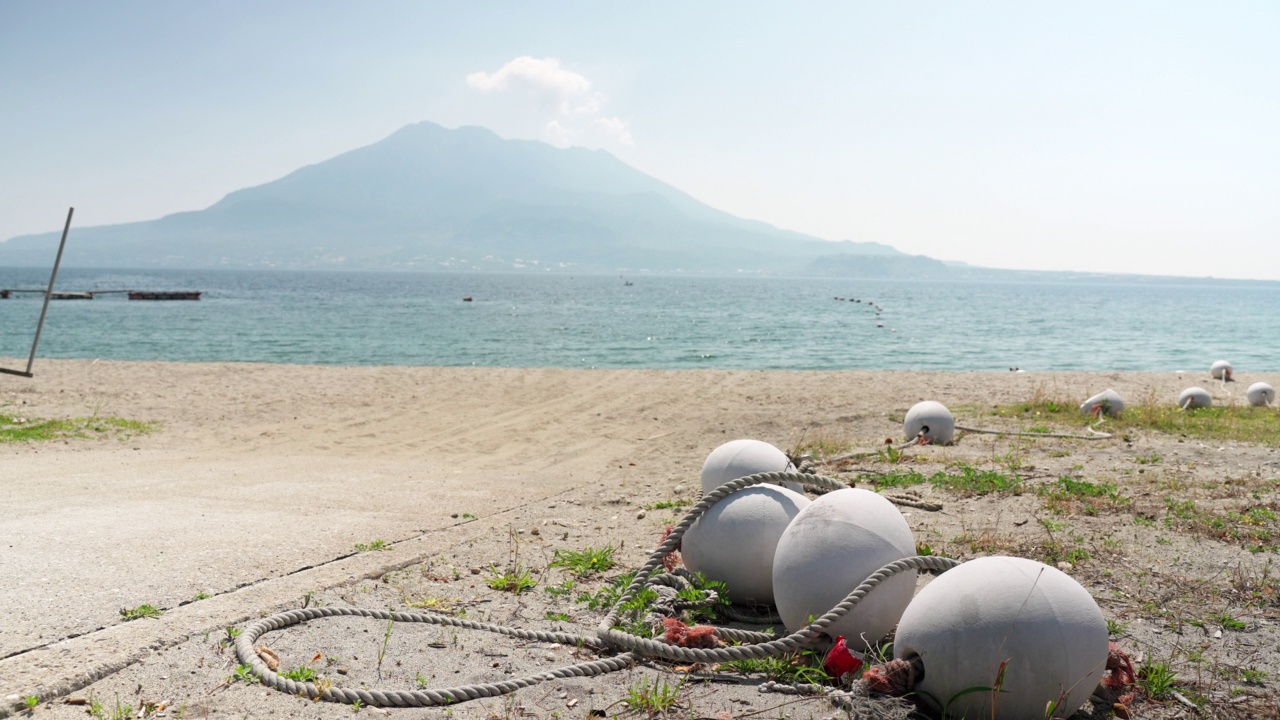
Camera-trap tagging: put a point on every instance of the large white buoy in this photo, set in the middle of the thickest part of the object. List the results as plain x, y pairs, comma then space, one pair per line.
1260, 394
1034, 620
1108, 402
931, 418
734, 541
740, 458
1194, 397
829, 549
1221, 370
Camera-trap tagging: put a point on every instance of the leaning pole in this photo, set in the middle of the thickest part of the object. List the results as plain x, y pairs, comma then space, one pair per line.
47, 295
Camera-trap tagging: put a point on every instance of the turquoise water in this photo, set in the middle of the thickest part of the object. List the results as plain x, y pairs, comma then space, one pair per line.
656, 322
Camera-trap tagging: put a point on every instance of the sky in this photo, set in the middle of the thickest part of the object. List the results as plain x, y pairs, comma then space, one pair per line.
1134, 137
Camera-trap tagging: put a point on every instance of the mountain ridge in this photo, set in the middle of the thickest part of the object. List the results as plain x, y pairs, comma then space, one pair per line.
427, 197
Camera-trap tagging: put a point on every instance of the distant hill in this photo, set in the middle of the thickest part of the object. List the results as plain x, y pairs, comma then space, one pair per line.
431, 198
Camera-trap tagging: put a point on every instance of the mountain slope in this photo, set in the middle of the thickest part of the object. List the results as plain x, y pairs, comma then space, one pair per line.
427, 197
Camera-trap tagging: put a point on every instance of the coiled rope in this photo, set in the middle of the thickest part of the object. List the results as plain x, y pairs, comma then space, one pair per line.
631, 647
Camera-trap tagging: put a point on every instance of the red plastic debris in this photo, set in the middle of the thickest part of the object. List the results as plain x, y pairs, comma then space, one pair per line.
895, 677
698, 636
839, 662
1119, 682
671, 559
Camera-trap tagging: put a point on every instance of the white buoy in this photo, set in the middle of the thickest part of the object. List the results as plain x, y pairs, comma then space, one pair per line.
1260, 394
1034, 620
829, 549
1221, 370
734, 541
740, 458
1194, 397
1107, 402
931, 418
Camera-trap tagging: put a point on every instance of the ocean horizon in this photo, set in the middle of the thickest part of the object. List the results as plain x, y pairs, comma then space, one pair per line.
649, 321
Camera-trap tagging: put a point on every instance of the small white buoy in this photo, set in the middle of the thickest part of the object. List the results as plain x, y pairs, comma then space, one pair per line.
931, 418
1260, 394
740, 458
734, 541
829, 549
1194, 397
1107, 402
1221, 370
1018, 624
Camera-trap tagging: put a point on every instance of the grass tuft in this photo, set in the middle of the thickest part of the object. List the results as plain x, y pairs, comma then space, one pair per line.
145, 610
17, 429
584, 563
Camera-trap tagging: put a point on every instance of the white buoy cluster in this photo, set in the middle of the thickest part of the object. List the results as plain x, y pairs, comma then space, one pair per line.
1004, 622
1259, 394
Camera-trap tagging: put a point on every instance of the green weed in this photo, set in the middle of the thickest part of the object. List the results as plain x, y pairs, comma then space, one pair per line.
19, 429
669, 504
1253, 676
302, 673
607, 596
244, 674
378, 544
968, 481
1157, 679
1067, 495
1229, 622
805, 667
515, 579
584, 563
145, 610
653, 700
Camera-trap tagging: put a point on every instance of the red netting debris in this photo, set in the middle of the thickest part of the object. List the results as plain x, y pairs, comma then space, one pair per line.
698, 636
896, 678
671, 559
839, 662
1119, 681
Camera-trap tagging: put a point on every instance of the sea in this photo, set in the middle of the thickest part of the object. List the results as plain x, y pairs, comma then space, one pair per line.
647, 321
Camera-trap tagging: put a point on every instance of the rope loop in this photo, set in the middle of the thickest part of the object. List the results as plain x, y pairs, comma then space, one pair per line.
630, 648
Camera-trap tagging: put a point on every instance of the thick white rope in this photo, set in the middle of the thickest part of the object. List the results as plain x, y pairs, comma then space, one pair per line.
631, 648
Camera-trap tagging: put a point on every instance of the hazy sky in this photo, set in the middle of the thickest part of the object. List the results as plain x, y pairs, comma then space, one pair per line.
1099, 136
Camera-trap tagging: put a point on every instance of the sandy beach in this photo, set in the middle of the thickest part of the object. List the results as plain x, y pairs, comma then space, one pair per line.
257, 482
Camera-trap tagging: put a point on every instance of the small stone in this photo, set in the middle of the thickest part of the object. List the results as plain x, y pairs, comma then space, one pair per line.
678, 489
640, 515
454, 515
535, 531
1065, 566
475, 571
1217, 634
342, 671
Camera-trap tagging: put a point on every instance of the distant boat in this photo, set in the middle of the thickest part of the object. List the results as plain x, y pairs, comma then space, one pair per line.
628, 284
466, 298
164, 294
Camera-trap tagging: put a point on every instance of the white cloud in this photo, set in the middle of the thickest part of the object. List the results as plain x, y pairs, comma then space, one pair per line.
565, 95
614, 127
